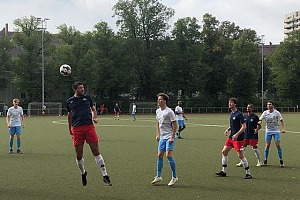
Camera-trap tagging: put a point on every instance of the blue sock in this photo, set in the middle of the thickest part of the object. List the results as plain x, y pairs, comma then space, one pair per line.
19, 143
11, 142
172, 166
266, 153
279, 153
159, 166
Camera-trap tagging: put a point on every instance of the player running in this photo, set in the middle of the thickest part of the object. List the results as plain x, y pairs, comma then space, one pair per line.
81, 115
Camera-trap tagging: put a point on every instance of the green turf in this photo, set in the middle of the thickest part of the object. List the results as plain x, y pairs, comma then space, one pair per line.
47, 169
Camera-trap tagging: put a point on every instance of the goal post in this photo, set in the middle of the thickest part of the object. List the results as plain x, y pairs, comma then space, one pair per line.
50, 108
144, 107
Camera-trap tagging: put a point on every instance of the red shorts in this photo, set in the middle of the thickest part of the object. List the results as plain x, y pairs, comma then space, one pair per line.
238, 145
251, 142
82, 133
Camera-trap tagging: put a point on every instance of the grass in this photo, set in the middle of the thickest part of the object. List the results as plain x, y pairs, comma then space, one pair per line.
47, 169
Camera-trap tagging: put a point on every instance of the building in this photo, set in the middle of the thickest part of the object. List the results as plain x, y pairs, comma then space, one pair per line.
291, 22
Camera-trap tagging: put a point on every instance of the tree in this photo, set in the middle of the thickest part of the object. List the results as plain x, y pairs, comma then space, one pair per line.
5, 61
285, 69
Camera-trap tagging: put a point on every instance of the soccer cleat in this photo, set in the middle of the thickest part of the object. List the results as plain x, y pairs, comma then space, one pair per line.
106, 180
83, 178
10, 151
281, 164
173, 181
247, 176
156, 179
265, 162
19, 151
258, 164
240, 164
179, 137
221, 174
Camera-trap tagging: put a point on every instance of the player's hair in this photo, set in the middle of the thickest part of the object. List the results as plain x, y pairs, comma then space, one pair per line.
16, 100
234, 100
76, 84
251, 105
270, 101
164, 96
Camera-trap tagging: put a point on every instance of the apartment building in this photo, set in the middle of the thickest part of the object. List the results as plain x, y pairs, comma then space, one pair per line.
291, 22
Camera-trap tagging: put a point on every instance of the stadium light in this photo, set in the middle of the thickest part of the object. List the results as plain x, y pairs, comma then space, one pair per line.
43, 23
262, 71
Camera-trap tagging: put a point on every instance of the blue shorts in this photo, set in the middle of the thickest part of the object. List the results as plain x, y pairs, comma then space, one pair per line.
164, 145
275, 134
15, 130
180, 122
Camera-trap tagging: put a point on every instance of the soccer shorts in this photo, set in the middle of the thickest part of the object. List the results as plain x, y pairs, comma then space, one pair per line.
84, 133
275, 134
180, 122
251, 142
164, 145
15, 130
238, 145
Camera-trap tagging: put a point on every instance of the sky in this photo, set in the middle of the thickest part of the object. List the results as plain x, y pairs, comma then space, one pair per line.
264, 16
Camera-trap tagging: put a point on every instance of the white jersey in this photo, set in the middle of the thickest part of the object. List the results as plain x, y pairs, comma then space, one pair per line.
179, 110
133, 108
165, 118
15, 115
271, 120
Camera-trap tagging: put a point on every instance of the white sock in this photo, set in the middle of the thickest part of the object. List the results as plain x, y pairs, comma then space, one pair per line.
257, 154
80, 164
100, 162
224, 163
246, 165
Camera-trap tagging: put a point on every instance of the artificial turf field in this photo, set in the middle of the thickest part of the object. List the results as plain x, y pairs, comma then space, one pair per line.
47, 168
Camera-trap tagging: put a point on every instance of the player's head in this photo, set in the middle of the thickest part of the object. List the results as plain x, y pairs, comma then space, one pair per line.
232, 102
270, 105
250, 107
179, 103
78, 88
16, 102
162, 99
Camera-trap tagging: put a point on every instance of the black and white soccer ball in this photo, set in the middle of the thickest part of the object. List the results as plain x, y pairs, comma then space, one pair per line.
65, 70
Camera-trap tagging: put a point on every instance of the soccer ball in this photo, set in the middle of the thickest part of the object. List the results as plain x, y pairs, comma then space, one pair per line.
65, 70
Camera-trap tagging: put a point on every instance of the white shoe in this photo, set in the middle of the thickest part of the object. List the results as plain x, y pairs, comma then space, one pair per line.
156, 180
173, 181
240, 164
258, 164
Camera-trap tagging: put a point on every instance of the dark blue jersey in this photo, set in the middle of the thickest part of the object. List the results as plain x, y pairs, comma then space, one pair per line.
80, 109
236, 120
251, 124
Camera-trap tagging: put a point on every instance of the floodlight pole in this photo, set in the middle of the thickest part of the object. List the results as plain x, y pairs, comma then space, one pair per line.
44, 27
262, 72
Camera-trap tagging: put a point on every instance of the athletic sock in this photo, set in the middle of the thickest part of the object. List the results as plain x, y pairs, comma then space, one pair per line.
11, 142
159, 166
279, 153
80, 164
100, 162
246, 165
172, 166
19, 143
224, 163
266, 153
178, 133
257, 154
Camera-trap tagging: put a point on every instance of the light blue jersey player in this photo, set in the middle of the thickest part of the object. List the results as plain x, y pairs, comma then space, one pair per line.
165, 135
180, 119
272, 116
15, 121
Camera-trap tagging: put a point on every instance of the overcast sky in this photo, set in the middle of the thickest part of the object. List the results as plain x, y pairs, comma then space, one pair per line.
264, 16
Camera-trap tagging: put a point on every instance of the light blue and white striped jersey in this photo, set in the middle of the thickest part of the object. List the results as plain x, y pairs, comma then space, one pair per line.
271, 119
15, 115
165, 118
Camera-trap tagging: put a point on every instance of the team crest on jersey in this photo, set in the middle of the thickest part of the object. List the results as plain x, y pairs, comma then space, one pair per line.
233, 118
251, 120
84, 99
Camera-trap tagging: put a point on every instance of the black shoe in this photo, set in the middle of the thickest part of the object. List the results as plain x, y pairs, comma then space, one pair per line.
106, 180
180, 137
247, 176
10, 151
281, 164
83, 179
221, 173
265, 162
19, 151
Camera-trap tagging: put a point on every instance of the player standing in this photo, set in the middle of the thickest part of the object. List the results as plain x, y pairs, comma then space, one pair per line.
81, 115
165, 135
235, 139
271, 117
133, 113
180, 118
117, 111
15, 122
251, 133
